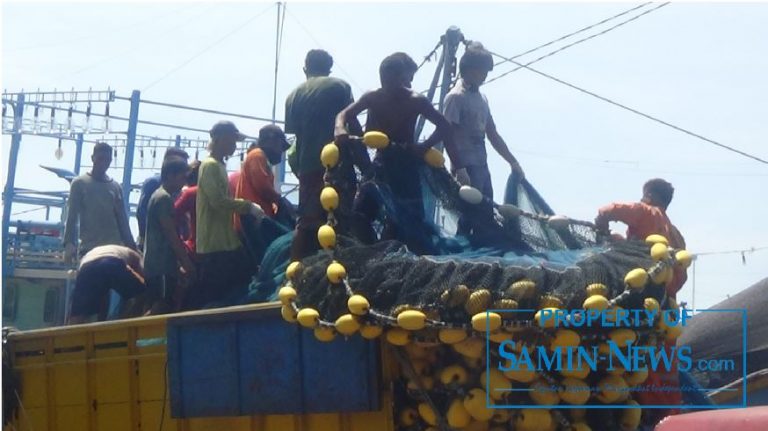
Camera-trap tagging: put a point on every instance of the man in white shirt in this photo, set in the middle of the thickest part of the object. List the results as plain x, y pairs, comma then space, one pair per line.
470, 116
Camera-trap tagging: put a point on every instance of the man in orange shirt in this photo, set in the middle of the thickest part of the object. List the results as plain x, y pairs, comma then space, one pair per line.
649, 216
257, 184
645, 217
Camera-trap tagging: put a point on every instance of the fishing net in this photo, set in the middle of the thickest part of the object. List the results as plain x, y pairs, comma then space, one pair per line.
522, 262
391, 277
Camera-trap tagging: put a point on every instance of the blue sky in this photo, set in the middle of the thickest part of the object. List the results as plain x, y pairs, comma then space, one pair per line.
701, 66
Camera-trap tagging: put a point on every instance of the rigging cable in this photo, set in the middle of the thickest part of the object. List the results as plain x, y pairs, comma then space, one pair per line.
207, 48
135, 47
100, 34
589, 27
635, 111
605, 99
563, 48
746, 250
561, 38
278, 47
320, 45
429, 56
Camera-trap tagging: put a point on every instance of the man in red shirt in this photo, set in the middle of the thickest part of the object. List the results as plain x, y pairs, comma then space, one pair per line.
649, 216
257, 184
184, 209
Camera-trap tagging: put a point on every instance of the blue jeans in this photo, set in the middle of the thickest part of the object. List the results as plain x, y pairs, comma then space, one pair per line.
479, 178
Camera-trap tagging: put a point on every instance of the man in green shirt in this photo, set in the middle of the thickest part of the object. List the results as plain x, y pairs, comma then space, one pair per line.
95, 205
310, 111
223, 265
163, 250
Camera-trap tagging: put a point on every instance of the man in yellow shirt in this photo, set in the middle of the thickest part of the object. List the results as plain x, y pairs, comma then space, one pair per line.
223, 263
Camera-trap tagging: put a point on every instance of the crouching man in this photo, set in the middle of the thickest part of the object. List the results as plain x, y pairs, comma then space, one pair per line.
104, 268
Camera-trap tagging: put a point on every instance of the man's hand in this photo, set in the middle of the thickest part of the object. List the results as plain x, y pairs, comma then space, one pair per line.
189, 271
70, 251
256, 211
601, 227
341, 138
462, 176
516, 168
367, 174
418, 150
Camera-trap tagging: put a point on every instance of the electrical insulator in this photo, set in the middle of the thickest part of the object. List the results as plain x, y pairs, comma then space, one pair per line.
37, 119
53, 119
106, 118
59, 152
69, 118
88, 117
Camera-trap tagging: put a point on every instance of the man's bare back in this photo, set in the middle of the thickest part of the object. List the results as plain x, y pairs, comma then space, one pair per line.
394, 113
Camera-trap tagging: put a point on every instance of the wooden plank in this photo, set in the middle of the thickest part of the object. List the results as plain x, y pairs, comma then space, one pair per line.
224, 314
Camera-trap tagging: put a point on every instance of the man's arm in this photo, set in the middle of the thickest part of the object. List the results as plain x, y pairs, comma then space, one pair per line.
452, 114
74, 206
627, 213
134, 261
357, 150
260, 177
676, 238
169, 230
217, 191
498, 144
122, 220
290, 123
341, 133
147, 188
184, 205
443, 131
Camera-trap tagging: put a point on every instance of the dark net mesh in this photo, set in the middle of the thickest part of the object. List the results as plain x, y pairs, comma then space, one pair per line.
498, 256
389, 276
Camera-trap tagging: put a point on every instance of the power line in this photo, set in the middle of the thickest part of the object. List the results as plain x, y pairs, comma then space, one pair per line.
279, 27
430, 55
589, 27
561, 38
634, 165
28, 211
605, 99
742, 251
207, 48
635, 111
117, 30
135, 47
563, 48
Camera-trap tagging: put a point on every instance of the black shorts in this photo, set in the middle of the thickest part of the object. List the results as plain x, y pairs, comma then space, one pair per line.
222, 275
161, 287
96, 278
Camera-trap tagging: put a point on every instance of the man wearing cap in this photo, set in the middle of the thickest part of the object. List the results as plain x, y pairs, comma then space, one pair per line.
223, 264
310, 113
147, 188
256, 182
